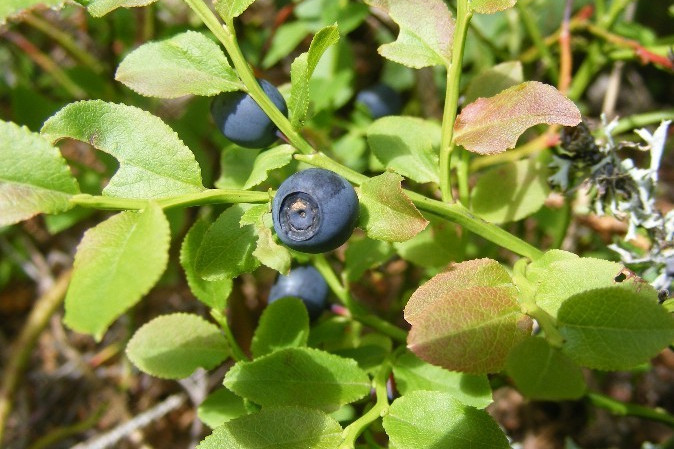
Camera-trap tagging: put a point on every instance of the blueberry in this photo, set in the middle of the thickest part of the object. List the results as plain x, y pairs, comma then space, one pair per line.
242, 121
315, 211
380, 100
305, 283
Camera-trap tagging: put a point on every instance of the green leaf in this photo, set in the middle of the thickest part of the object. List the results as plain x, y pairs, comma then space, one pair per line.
270, 253
492, 125
243, 168
301, 71
34, 177
99, 8
236, 166
153, 161
426, 32
227, 248
212, 293
466, 319
407, 146
431, 419
299, 376
364, 254
267, 251
559, 275
434, 247
614, 328
542, 372
267, 161
510, 192
283, 324
11, 8
490, 6
413, 374
173, 346
117, 262
187, 63
220, 407
386, 212
228, 9
277, 428
494, 80
286, 38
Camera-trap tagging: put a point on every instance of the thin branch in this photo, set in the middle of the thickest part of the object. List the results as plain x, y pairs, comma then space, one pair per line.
43, 309
113, 437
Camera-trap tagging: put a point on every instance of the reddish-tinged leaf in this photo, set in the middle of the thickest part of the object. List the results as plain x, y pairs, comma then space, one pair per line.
490, 6
492, 125
460, 276
470, 330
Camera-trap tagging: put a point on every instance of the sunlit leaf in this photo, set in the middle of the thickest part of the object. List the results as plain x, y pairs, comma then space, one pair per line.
117, 262
492, 125
34, 178
490, 6
99, 8
173, 346
386, 212
277, 428
153, 161
614, 328
407, 145
187, 63
299, 376
426, 32
431, 419
303, 68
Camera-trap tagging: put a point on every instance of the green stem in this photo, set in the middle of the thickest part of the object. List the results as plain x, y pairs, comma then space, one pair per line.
546, 321
379, 409
323, 161
626, 409
237, 352
463, 217
19, 356
64, 40
463, 16
321, 264
212, 196
639, 120
356, 310
535, 34
225, 34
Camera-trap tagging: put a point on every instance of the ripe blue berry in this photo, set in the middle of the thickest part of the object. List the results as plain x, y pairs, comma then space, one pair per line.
380, 100
305, 283
242, 121
315, 211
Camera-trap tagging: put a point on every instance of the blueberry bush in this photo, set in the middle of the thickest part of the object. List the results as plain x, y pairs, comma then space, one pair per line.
424, 209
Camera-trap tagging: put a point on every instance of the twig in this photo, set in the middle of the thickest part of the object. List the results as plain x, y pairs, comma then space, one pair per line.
44, 307
626, 409
112, 438
61, 433
565, 63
